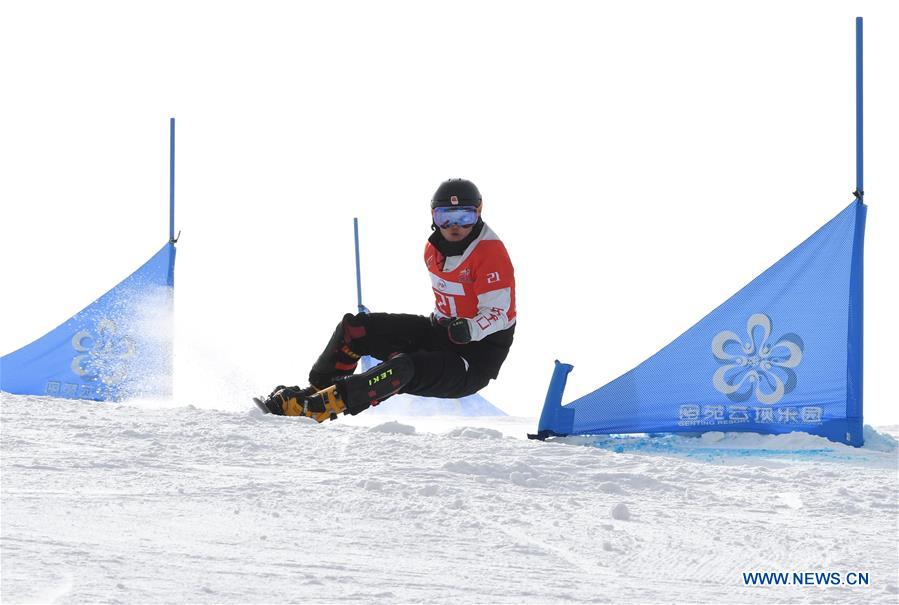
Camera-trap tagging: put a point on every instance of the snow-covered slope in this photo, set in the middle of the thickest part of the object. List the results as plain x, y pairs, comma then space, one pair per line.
135, 503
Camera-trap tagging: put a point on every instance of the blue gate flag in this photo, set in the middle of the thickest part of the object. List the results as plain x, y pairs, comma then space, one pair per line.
118, 347
783, 354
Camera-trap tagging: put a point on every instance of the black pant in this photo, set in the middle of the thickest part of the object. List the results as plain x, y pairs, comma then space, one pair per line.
442, 368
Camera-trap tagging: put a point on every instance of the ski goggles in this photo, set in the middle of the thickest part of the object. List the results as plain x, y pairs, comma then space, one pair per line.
461, 216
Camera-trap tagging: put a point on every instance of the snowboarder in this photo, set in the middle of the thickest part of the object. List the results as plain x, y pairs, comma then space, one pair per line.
453, 353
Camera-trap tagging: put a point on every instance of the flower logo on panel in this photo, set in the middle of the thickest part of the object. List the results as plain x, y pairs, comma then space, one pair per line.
756, 366
103, 355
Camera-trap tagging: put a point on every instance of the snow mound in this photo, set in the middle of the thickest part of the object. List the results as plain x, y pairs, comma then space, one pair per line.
621, 512
469, 432
712, 437
879, 442
393, 427
412, 405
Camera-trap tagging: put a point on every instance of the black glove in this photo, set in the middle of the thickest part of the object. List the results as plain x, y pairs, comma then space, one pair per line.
459, 331
288, 392
440, 322
281, 387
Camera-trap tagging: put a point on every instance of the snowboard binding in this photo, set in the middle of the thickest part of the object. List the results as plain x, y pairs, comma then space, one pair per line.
319, 405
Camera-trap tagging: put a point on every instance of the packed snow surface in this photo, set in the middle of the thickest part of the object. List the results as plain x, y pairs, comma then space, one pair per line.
140, 503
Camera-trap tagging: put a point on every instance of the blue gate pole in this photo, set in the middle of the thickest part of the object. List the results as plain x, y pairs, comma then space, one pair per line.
172, 180
859, 138
858, 276
172, 240
367, 362
359, 304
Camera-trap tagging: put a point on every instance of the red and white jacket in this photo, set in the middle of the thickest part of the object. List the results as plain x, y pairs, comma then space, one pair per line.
479, 284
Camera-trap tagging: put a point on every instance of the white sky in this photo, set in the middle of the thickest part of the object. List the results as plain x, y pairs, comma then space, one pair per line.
642, 161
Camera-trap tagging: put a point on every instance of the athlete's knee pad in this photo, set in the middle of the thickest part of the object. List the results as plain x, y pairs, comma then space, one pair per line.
374, 386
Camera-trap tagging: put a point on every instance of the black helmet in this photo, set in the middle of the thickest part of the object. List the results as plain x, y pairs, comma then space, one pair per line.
456, 192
